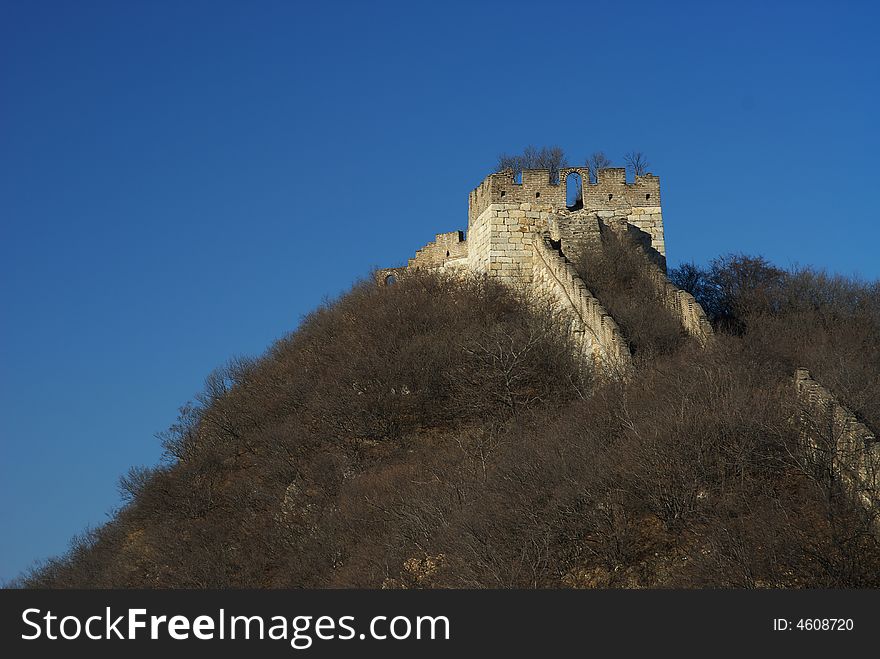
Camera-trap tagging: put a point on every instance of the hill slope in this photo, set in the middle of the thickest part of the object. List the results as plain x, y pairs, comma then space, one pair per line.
440, 434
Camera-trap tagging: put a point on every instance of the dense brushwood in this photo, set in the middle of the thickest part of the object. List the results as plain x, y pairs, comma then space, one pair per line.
439, 433
827, 323
618, 276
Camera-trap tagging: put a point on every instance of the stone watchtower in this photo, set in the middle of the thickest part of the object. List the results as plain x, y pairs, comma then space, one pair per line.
506, 217
525, 234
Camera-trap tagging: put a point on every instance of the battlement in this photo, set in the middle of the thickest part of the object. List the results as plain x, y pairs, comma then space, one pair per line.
611, 191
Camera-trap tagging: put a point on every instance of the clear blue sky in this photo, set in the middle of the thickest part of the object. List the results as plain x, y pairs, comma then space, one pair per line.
181, 181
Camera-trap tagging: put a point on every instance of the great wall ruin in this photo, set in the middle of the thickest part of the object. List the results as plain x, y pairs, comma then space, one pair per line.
523, 233
838, 443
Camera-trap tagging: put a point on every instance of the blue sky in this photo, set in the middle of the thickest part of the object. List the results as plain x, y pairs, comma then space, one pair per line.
181, 181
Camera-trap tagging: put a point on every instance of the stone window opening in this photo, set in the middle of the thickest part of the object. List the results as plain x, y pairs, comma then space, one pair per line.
574, 191
647, 196
390, 280
537, 195
447, 253
610, 196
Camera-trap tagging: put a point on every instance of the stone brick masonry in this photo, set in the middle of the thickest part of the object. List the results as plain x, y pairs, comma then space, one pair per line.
835, 439
524, 234
596, 332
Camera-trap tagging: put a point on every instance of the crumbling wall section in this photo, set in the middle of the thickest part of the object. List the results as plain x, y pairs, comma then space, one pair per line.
388, 276
576, 232
834, 438
520, 231
446, 250
611, 197
638, 203
682, 304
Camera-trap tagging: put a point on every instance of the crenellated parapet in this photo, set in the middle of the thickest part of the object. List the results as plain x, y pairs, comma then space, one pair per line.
611, 197
611, 191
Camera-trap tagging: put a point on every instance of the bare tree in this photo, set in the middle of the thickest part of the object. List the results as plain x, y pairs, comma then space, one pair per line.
598, 160
551, 158
132, 483
636, 162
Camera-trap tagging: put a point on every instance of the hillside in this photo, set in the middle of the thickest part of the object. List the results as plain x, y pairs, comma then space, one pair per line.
442, 433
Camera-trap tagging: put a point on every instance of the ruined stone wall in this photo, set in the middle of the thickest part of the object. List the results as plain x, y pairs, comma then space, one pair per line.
505, 217
447, 250
682, 304
638, 203
611, 197
522, 232
594, 330
387, 276
576, 232
690, 313
835, 438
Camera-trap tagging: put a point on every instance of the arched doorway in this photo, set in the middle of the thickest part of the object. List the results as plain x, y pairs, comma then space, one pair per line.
574, 191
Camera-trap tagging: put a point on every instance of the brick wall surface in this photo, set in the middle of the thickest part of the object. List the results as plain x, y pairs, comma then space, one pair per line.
835, 438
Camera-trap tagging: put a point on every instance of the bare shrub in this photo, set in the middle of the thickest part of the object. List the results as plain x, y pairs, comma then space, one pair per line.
441, 433
618, 276
598, 160
830, 324
636, 163
551, 158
